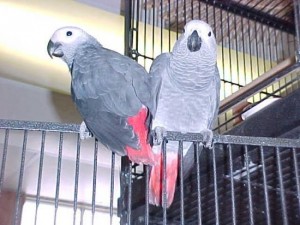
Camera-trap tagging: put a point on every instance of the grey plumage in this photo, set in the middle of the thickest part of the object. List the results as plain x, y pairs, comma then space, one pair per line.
188, 85
106, 87
105, 103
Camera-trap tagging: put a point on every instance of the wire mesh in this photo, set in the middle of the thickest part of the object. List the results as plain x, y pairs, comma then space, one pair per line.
243, 180
254, 38
47, 164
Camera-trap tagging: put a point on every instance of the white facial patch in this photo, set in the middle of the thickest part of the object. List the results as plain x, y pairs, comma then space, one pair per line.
202, 28
67, 35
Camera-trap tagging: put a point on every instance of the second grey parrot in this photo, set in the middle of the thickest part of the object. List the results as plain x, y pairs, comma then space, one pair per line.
188, 85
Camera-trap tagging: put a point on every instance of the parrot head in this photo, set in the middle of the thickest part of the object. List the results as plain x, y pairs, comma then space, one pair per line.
197, 38
65, 42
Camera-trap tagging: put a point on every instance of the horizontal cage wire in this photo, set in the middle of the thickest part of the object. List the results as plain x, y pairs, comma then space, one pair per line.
256, 42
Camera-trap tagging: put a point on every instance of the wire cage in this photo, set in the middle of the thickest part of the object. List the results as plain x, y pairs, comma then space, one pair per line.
256, 40
242, 180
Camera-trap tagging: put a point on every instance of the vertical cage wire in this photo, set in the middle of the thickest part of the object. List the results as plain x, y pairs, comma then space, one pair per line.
198, 151
127, 28
282, 189
296, 167
20, 182
112, 183
94, 181
4, 155
40, 176
180, 151
76, 179
164, 181
59, 159
265, 184
232, 188
216, 196
297, 26
129, 200
147, 195
249, 190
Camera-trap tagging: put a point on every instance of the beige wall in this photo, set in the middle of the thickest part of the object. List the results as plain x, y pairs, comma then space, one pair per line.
20, 101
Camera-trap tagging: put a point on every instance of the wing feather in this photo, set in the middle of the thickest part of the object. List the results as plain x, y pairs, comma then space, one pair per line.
107, 88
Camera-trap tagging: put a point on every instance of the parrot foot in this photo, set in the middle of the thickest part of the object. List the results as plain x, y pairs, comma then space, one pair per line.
84, 131
207, 138
158, 135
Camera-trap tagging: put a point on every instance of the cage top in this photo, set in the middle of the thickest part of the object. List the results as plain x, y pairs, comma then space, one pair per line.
276, 13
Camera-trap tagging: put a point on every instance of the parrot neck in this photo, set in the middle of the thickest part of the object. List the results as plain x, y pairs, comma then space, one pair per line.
83, 52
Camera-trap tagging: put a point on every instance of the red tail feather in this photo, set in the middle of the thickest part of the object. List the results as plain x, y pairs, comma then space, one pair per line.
144, 154
155, 183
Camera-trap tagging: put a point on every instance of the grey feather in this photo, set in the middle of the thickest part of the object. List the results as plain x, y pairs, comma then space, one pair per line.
215, 99
155, 76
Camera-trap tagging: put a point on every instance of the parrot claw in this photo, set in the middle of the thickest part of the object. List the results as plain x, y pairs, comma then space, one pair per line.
207, 138
158, 135
84, 131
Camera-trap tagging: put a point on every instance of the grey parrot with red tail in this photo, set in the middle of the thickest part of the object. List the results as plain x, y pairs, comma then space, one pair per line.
188, 85
111, 92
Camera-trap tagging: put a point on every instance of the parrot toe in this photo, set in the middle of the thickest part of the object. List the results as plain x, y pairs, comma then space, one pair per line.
207, 138
84, 131
158, 135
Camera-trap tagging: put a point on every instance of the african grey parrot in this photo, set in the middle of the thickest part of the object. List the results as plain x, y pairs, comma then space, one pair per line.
111, 92
188, 85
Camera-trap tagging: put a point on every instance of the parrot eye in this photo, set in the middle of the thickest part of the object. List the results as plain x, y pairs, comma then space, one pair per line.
183, 30
69, 33
209, 33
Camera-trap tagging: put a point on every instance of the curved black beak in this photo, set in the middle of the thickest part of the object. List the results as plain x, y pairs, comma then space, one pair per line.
194, 42
53, 49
